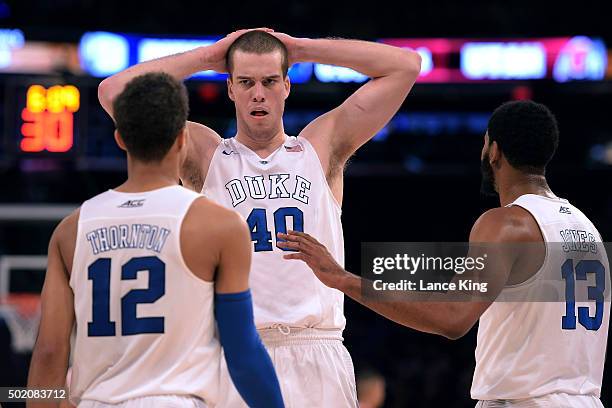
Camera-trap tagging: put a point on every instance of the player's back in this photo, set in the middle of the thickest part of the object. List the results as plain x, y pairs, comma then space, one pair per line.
145, 322
537, 347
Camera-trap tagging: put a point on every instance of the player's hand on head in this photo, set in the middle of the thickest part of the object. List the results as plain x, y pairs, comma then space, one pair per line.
315, 254
292, 44
218, 51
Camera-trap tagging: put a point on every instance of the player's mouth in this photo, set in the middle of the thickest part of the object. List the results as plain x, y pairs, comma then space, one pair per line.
259, 113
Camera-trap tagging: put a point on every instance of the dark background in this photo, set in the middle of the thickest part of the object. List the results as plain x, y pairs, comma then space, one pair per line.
418, 185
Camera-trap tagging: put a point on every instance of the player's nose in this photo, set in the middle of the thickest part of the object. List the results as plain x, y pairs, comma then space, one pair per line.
258, 92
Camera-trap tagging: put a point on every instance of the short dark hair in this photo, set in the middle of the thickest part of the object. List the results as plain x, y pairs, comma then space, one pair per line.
150, 113
527, 134
257, 42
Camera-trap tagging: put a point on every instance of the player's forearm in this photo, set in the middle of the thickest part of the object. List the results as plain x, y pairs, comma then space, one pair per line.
179, 66
442, 318
47, 371
371, 59
248, 362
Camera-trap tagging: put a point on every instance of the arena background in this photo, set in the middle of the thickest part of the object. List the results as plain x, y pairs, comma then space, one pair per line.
418, 181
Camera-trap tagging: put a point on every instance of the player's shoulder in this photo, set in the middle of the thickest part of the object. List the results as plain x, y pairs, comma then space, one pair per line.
63, 240
203, 136
68, 226
506, 224
212, 217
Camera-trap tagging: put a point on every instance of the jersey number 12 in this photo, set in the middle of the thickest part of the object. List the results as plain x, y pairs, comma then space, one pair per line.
99, 273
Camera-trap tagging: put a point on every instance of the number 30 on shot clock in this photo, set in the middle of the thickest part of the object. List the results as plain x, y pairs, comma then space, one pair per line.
48, 118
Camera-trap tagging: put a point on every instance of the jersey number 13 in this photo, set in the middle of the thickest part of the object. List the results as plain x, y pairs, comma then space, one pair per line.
596, 293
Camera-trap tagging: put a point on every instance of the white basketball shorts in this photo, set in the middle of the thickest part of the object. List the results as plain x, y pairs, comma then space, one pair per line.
314, 369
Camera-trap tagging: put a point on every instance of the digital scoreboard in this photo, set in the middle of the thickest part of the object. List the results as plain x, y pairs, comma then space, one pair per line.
48, 118
45, 117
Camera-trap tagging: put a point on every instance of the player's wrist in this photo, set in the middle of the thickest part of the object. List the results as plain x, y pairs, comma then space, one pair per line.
342, 280
205, 55
208, 58
300, 50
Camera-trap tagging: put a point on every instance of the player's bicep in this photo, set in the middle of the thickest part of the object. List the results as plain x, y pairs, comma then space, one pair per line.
57, 303
365, 112
346, 128
488, 245
235, 257
491, 240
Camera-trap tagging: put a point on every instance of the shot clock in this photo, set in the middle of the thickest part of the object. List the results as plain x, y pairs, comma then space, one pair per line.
48, 118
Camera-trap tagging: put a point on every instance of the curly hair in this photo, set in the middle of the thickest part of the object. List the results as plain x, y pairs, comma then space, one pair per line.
149, 115
527, 134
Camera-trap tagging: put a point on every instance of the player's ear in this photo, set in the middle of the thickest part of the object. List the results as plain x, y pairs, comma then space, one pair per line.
485, 147
230, 90
287, 83
494, 153
120, 141
181, 139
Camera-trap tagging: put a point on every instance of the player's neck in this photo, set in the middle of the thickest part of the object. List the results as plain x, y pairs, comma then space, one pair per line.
263, 147
147, 177
516, 184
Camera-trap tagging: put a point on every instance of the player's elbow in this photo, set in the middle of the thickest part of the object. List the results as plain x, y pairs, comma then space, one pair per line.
51, 350
50, 356
454, 328
411, 64
453, 332
105, 93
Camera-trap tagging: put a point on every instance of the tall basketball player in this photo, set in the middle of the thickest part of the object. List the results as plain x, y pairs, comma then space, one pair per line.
139, 270
279, 182
529, 354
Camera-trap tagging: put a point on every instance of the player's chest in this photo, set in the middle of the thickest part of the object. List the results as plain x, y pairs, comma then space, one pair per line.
256, 189
283, 178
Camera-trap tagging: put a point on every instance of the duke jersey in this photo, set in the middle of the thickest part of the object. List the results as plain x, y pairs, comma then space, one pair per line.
286, 190
532, 349
144, 323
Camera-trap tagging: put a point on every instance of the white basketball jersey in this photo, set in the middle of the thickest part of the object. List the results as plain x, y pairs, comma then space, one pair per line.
530, 349
144, 323
286, 190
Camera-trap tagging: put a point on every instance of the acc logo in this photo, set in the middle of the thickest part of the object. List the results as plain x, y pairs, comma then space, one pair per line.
564, 210
132, 204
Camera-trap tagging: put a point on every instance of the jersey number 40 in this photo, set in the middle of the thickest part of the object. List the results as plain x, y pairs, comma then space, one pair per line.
99, 273
258, 223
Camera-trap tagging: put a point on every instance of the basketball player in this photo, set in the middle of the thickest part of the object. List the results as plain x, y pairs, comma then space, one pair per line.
279, 182
529, 354
134, 269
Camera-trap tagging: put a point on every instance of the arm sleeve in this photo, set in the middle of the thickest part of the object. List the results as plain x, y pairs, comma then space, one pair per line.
247, 360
